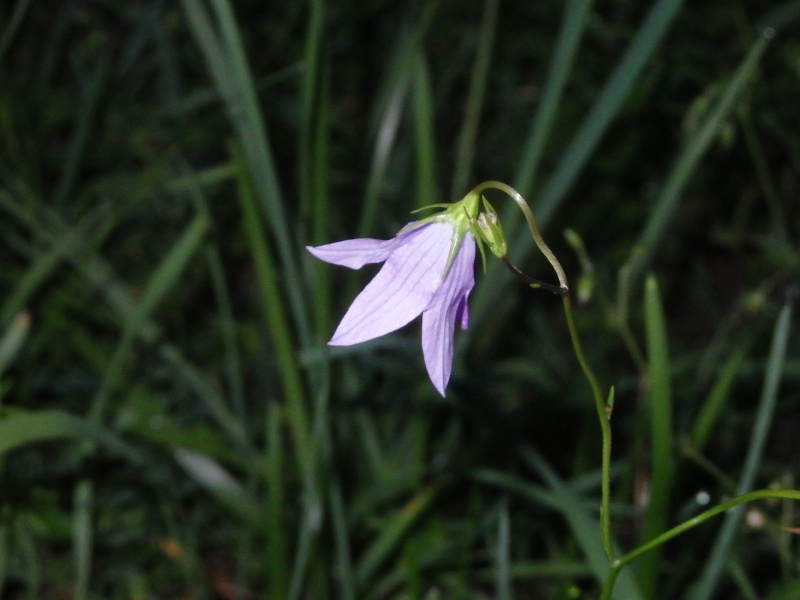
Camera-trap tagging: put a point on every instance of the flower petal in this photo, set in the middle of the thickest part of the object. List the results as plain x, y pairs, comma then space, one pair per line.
462, 313
358, 252
403, 287
446, 306
353, 253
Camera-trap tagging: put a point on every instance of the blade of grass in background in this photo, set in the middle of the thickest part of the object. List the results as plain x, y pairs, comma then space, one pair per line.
5, 554
11, 343
312, 151
277, 321
277, 542
343, 565
82, 538
715, 563
275, 317
63, 243
12, 25
221, 485
388, 114
465, 147
502, 555
23, 428
101, 275
711, 409
227, 328
95, 85
390, 536
659, 409
573, 24
225, 58
77, 244
780, 17
666, 204
163, 281
30, 565
424, 116
603, 111
585, 529
314, 159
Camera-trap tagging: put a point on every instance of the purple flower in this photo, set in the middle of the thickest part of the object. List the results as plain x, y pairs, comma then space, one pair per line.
419, 276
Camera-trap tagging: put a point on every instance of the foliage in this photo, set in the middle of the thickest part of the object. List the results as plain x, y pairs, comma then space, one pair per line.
172, 423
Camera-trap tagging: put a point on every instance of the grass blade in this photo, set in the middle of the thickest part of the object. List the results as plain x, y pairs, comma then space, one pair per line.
465, 148
344, 562
665, 205
572, 28
709, 413
276, 318
606, 107
766, 409
66, 242
503, 555
389, 107
13, 24
23, 428
424, 137
82, 535
585, 529
12, 340
396, 527
659, 408
275, 527
313, 161
221, 485
603, 111
5, 554
223, 51
161, 282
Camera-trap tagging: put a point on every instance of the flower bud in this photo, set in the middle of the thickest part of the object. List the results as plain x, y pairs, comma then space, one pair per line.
490, 231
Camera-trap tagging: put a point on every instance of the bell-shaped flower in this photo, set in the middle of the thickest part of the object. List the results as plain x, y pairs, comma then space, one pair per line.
427, 270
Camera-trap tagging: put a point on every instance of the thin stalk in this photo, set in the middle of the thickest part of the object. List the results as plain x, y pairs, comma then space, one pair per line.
603, 408
618, 564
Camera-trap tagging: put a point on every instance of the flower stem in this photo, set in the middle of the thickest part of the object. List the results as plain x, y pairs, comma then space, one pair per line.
537, 237
603, 408
618, 564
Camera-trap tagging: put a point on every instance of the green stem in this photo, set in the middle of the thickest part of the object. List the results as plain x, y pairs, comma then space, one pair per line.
618, 564
603, 408
537, 237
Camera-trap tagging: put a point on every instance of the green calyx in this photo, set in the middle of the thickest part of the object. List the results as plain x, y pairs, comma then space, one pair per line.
466, 216
490, 231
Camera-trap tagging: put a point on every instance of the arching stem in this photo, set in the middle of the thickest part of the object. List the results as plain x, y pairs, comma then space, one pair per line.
602, 407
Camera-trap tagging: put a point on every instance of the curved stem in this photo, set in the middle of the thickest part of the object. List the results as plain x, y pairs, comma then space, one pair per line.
604, 417
537, 237
560, 291
603, 408
618, 564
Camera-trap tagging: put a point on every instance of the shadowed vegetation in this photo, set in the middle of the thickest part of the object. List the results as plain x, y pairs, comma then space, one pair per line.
172, 423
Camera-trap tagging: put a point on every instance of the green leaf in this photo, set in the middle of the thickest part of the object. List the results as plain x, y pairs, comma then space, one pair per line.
659, 411
22, 428
585, 529
221, 485
715, 564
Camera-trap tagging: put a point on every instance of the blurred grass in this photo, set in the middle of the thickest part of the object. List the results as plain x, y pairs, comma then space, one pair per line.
172, 423
661, 467
765, 414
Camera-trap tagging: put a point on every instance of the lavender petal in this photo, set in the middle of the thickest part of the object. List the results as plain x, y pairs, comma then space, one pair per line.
402, 289
439, 318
